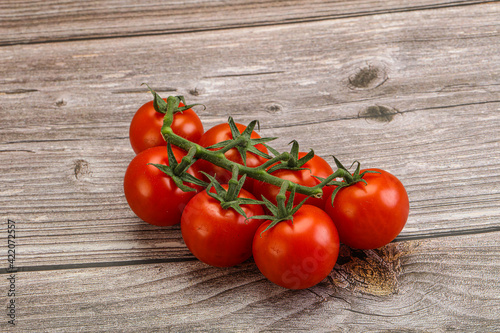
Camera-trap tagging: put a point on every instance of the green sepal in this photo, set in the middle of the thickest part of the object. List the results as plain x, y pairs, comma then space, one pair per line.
261, 217
236, 206
193, 180
172, 161
349, 179
282, 211
306, 158
330, 183
271, 149
368, 171
161, 106
293, 163
251, 148
338, 164
249, 129
158, 103
334, 193
243, 141
214, 183
180, 176
164, 168
261, 141
294, 151
270, 206
243, 154
186, 106
289, 203
179, 182
358, 168
221, 144
229, 198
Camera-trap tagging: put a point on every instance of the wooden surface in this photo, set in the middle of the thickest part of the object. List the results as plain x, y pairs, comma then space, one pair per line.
410, 87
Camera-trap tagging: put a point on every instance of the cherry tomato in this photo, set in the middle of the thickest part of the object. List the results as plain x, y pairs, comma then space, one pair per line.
145, 128
219, 237
151, 194
370, 216
297, 254
316, 166
222, 132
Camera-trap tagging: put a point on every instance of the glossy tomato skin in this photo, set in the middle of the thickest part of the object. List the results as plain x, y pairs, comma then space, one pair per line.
370, 216
222, 132
317, 166
216, 236
150, 193
298, 254
145, 127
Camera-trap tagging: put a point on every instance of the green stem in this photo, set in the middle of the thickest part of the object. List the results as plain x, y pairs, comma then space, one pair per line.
282, 157
232, 189
186, 161
232, 144
281, 200
340, 173
217, 157
168, 119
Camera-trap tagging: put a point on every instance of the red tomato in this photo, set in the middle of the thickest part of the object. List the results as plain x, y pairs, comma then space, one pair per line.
151, 194
298, 254
316, 166
370, 216
219, 237
145, 128
222, 132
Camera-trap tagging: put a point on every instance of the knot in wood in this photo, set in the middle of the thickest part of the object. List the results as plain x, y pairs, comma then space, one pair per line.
274, 108
81, 169
373, 272
368, 78
378, 113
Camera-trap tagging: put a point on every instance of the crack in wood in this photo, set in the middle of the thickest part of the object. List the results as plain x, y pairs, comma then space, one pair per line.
17, 91
243, 74
17, 151
96, 265
67, 139
452, 233
325, 121
140, 90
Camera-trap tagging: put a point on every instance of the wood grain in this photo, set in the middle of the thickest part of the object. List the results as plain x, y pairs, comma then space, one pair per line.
63, 157
49, 21
435, 284
412, 88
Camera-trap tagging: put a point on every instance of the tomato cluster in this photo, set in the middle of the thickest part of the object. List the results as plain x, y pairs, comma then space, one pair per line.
226, 218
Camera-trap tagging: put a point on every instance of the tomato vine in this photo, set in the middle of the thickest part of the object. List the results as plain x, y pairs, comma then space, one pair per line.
217, 157
236, 196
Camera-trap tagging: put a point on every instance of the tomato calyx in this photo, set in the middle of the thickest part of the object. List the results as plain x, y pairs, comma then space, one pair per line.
243, 142
293, 162
177, 171
283, 210
229, 198
173, 102
349, 179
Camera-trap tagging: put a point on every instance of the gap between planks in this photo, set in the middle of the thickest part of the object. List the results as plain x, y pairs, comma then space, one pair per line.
453, 233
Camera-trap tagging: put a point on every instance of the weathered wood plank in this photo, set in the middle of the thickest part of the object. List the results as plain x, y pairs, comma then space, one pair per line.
47, 21
431, 285
424, 106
